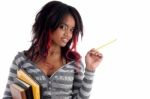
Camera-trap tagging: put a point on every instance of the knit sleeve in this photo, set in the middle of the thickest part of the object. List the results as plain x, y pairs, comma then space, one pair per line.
11, 77
82, 83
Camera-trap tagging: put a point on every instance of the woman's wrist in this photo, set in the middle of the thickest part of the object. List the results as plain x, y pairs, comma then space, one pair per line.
90, 69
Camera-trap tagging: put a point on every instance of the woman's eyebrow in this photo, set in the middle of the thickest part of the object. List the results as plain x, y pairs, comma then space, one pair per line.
67, 25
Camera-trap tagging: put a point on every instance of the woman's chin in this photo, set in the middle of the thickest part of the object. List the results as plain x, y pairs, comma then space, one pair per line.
63, 45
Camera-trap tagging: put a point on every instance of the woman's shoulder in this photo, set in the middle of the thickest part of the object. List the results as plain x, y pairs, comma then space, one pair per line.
19, 57
77, 64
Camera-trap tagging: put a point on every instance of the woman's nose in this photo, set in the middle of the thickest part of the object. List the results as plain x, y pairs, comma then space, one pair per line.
67, 32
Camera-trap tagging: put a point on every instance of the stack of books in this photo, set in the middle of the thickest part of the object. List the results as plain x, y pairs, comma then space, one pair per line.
25, 87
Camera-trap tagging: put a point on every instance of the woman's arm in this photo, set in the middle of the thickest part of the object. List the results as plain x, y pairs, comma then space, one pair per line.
82, 86
82, 83
11, 77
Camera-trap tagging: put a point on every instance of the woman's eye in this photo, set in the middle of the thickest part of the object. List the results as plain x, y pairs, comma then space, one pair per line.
63, 27
72, 30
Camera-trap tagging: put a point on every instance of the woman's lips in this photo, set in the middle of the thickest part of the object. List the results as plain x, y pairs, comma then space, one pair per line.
65, 40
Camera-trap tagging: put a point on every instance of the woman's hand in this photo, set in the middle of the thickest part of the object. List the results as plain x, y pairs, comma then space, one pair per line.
92, 59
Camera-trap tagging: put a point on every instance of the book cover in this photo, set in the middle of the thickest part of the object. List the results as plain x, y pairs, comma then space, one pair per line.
27, 87
24, 76
17, 92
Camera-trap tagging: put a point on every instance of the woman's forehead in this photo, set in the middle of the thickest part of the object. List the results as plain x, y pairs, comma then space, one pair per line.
69, 21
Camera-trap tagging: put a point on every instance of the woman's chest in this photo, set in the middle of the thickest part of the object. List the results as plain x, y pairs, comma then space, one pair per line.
49, 69
61, 82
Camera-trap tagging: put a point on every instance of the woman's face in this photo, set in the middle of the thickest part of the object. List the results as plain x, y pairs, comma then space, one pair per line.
64, 32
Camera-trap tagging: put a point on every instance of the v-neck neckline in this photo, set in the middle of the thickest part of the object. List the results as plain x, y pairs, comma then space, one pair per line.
36, 67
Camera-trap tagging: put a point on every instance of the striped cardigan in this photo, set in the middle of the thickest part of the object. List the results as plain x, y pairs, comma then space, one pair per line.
65, 83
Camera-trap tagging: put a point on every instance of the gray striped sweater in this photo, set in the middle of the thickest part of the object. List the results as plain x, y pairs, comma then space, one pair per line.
68, 82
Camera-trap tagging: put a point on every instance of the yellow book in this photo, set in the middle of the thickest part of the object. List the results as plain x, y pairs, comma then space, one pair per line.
24, 76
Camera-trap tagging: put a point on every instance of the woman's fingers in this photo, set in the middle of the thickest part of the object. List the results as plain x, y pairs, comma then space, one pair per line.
95, 53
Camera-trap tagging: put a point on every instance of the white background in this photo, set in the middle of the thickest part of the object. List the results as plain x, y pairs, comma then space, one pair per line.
125, 70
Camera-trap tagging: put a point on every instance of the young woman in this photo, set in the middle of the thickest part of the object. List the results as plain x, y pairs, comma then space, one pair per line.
52, 58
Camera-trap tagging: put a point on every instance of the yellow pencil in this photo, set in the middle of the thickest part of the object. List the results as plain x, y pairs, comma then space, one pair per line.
106, 44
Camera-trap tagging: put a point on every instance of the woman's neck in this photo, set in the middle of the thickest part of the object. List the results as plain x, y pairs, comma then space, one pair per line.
54, 52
